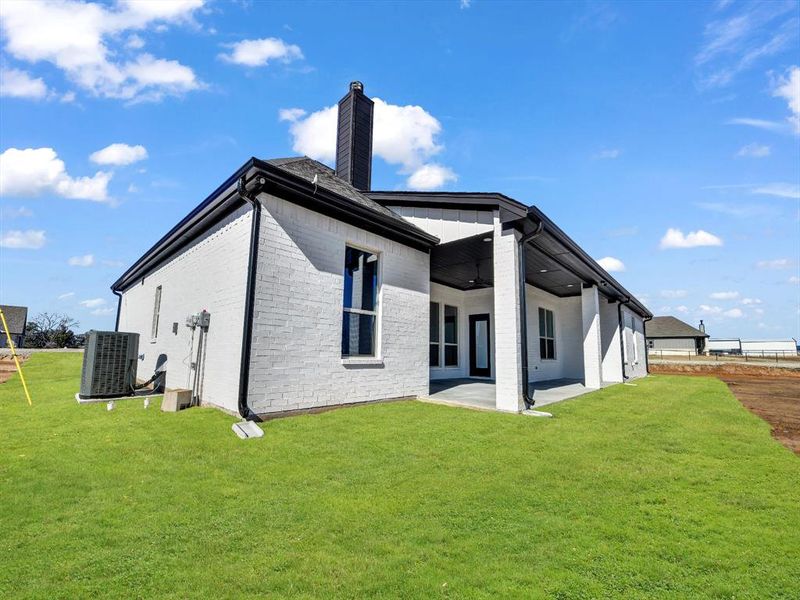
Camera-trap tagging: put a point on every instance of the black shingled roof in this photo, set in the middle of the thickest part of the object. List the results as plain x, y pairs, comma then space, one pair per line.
307, 168
670, 327
16, 317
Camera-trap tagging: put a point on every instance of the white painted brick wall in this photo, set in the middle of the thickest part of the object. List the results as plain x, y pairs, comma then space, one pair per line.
568, 363
635, 364
210, 274
296, 356
508, 372
592, 356
609, 338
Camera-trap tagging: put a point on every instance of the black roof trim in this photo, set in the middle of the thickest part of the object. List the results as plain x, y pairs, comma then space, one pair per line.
510, 208
285, 185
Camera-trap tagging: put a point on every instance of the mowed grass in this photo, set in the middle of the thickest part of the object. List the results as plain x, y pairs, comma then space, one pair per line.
666, 489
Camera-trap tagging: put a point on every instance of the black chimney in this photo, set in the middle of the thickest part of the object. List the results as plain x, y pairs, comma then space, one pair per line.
702, 327
354, 138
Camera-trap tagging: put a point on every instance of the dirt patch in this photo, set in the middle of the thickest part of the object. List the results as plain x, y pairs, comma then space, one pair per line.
771, 393
776, 400
7, 367
726, 370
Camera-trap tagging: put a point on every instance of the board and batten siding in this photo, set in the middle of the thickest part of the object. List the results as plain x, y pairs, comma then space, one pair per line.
210, 274
296, 358
448, 224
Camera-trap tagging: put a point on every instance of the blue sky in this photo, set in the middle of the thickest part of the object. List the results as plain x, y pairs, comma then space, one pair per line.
663, 137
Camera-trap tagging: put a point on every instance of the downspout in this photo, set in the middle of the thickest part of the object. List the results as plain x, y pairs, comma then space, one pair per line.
526, 387
119, 307
250, 293
646, 352
621, 336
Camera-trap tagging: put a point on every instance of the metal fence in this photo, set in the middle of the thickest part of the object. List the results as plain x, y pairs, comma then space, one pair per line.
746, 356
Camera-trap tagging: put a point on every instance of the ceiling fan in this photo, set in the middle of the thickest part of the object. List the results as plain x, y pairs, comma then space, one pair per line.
479, 282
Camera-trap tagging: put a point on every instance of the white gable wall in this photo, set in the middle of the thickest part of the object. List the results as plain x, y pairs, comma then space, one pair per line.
448, 224
210, 274
296, 357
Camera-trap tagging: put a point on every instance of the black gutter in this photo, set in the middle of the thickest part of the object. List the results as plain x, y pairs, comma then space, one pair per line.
250, 292
526, 386
646, 349
118, 294
621, 339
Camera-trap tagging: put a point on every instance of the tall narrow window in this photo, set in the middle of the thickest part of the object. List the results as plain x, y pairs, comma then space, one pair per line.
156, 313
547, 334
360, 310
434, 335
450, 336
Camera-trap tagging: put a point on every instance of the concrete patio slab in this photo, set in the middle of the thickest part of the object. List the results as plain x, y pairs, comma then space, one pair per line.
480, 393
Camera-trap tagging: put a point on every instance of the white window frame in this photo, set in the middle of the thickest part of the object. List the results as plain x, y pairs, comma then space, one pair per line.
543, 334
445, 343
377, 313
438, 343
156, 314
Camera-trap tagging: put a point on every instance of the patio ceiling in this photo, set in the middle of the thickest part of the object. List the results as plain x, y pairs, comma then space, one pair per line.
455, 264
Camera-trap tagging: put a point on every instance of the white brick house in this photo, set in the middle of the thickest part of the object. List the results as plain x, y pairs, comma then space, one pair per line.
322, 292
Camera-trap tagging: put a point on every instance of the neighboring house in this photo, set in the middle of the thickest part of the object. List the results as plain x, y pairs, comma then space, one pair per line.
16, 318
322, 292
671, 336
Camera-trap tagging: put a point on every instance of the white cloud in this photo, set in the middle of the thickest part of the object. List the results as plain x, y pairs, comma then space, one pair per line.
258, 53
104, 311
19, 84
68, 97
781, 190
734, 313
723, 295
751, 301
764, 124
30, 239
405, 136
85, 41
464, 4
674, 293
758, 311
611, 264
753, 151
788, 88
119, 154
134, 42
87, 260
431, 177
737, 42
66, 296
93, 302
777, 263
682, 308
609, 153
291, 114
674, 238
706, 309
794, 279
6, 212
34, 171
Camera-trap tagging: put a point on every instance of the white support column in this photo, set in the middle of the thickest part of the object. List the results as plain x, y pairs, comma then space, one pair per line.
610, 338
592, 349
507, 321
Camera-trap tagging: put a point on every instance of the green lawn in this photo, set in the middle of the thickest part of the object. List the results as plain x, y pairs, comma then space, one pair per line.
666, 489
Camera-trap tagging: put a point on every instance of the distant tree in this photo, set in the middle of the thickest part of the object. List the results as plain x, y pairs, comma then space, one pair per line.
50, 330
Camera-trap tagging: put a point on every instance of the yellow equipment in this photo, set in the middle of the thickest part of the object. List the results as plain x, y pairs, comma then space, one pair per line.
16, 358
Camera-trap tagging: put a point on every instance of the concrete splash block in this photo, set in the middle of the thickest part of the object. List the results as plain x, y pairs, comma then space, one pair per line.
247, 429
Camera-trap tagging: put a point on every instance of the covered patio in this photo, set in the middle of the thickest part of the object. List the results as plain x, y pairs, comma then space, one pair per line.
529, 318
480, 394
